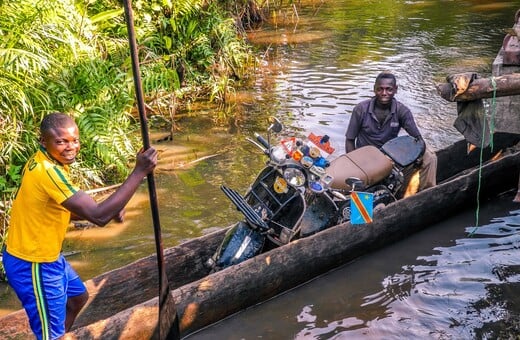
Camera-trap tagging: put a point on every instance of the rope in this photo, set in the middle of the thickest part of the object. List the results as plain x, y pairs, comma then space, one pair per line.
491, 132
493, 112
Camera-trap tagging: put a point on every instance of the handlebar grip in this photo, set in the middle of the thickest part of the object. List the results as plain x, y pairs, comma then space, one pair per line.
262, 140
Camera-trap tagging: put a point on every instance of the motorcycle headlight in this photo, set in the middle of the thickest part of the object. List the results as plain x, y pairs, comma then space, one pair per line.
278, 154
294, 177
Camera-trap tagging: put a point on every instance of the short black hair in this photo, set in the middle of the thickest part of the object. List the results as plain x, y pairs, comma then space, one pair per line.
54, 120
386, 75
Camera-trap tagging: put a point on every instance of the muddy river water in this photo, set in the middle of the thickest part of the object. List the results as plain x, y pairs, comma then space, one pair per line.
316, 62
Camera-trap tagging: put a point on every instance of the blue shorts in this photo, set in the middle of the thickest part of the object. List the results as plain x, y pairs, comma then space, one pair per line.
43, 289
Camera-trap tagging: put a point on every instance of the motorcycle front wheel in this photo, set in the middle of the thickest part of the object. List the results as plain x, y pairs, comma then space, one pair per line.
241, 243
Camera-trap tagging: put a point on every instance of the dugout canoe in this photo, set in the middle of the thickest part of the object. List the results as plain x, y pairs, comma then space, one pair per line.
123, 302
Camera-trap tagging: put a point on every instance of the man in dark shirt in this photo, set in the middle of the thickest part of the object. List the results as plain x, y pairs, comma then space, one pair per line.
377, 120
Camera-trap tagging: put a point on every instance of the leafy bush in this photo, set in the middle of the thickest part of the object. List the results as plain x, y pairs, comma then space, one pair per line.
73, 57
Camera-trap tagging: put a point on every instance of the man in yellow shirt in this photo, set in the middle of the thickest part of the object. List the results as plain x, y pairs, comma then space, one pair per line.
51, 292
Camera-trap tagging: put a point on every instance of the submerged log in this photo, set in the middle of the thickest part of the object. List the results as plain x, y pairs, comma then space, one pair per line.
506, 85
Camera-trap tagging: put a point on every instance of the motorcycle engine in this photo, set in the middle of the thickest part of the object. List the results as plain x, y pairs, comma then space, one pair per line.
395, 181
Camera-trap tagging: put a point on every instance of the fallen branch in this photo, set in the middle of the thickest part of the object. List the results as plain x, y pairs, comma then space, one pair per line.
191, 163
506, 85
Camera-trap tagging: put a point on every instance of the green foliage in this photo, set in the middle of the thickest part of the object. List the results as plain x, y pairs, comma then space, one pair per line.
73, 56
52, 61
32, 33
25, 57
99, 96
111, 152
196, 40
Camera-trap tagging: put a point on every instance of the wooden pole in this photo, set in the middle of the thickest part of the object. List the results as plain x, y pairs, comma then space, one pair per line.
168, 325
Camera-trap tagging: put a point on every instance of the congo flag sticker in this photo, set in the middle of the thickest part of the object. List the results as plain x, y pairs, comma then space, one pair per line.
361, 207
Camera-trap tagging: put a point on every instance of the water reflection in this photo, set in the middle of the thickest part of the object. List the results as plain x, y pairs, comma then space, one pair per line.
454, 292
421, 42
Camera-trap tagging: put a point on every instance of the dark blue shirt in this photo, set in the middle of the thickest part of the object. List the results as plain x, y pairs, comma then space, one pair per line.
365, 129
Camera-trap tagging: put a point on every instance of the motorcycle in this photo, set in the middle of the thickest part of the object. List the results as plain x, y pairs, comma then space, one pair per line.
384, 172
290, 198
300, 192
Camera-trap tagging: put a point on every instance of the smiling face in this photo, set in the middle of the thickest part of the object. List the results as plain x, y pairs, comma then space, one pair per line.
385, 89
62, 141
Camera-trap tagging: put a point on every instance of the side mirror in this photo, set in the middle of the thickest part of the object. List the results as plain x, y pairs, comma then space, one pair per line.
276, 126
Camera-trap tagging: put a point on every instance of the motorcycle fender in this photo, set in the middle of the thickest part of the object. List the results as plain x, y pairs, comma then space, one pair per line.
243, 243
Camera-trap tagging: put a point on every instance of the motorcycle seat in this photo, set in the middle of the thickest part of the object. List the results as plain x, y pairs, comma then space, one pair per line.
367, 163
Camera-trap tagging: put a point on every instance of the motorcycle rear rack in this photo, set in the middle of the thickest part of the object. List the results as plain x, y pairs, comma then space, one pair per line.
241, 204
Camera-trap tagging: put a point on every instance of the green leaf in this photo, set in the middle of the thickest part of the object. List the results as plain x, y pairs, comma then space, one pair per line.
106, 15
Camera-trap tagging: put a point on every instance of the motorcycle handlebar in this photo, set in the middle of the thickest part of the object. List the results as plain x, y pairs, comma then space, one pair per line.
258, 145
262, 140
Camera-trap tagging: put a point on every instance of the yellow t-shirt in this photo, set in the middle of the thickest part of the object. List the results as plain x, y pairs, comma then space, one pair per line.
38, 220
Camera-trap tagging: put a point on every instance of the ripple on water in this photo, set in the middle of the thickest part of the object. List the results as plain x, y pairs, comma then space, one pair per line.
456, 293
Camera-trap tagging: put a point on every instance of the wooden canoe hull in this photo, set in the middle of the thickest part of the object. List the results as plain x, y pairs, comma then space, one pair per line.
123, 302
